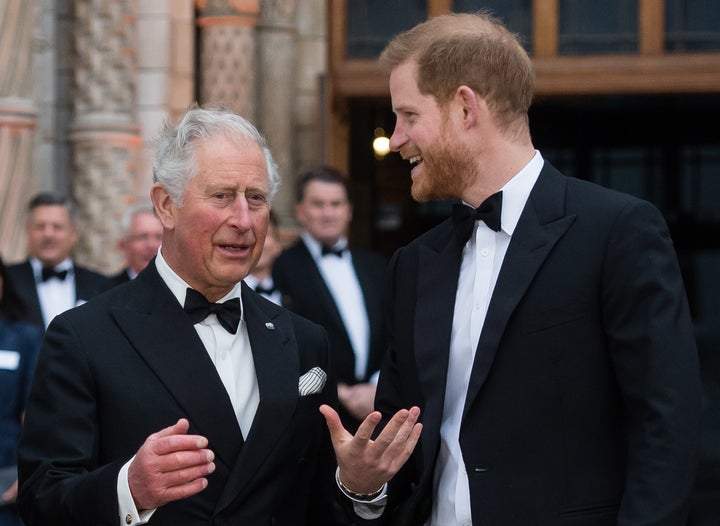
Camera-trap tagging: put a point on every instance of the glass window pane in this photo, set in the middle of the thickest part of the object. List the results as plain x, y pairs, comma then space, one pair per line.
372, 23
635, 171
692, 25
591, 27
515, 14
700, 178
564, 159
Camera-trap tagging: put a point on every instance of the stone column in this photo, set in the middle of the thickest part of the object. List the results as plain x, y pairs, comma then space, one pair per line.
104, 134
277, 42
227, 53
18, 121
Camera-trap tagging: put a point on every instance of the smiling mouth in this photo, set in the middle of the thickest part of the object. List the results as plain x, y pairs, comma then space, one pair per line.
415, 160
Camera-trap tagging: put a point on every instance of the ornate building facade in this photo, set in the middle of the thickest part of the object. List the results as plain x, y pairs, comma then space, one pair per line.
87, 84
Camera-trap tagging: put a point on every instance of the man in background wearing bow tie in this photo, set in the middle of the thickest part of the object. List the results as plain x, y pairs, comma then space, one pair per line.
546, 340
322, 279
184, 398
260, 278
50, 282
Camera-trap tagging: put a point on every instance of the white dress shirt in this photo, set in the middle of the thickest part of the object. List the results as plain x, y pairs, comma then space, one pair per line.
232, 356
482, 259
344, 286
55, 295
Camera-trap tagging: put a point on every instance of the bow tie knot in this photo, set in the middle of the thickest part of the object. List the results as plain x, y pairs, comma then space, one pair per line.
50, 272
264, 290
332, 251
488, 212
198, 308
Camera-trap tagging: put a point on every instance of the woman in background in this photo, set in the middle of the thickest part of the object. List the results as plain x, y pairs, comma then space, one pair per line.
19, 347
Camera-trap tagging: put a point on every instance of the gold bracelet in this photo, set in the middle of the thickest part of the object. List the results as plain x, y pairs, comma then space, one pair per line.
360, 496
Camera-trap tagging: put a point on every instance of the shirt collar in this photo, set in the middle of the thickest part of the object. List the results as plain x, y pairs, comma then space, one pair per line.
179, 287
314, 246
516, 192
37, 266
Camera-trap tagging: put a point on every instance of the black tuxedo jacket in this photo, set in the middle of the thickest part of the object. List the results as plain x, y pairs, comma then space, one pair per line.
584, 400
88, 284
128, 363
121, 277
305, 292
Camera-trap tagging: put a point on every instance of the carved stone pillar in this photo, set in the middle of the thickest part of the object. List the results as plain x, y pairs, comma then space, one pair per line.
104, 134
18, 120
277, 37
227, 53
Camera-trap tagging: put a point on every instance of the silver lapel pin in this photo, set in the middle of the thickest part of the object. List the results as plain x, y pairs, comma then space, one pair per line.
270, 326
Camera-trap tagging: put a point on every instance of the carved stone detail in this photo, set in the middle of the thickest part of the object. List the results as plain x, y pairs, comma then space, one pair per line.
227, 57
104, 134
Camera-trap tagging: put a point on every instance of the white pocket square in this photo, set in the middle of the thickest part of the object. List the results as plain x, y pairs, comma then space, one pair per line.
312, 382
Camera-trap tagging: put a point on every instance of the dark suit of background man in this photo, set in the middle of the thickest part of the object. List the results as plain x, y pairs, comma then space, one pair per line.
549, 347
50, 282
324, 280
141, 238
151, 403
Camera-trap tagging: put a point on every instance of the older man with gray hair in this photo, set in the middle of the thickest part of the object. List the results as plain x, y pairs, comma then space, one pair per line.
183, 397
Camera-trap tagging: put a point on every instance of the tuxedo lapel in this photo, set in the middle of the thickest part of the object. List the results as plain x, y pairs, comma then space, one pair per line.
275, 355
317, 285
158, 328
439, 268
541, 225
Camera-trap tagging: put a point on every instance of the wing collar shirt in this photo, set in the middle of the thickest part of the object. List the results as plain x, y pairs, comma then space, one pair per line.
55, 295
232, 356
344, 286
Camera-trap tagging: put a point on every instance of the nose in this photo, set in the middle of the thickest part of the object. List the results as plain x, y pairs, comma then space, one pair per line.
240, 214
398, 138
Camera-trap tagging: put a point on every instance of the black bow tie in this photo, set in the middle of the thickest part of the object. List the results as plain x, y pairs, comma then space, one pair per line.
334, 251
198, 308
264, 290
489, 212
48, 273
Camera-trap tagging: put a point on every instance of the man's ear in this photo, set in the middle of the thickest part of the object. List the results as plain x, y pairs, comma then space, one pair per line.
470, 103
164, 206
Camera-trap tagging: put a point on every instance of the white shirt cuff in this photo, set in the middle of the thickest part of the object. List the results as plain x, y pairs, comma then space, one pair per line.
365, 509
129, 514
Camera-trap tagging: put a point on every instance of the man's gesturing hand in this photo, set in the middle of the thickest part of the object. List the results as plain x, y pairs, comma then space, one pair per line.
170, 465
365, 464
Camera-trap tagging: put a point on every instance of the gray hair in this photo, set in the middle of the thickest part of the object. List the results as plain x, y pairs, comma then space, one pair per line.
176, 163
143, 207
